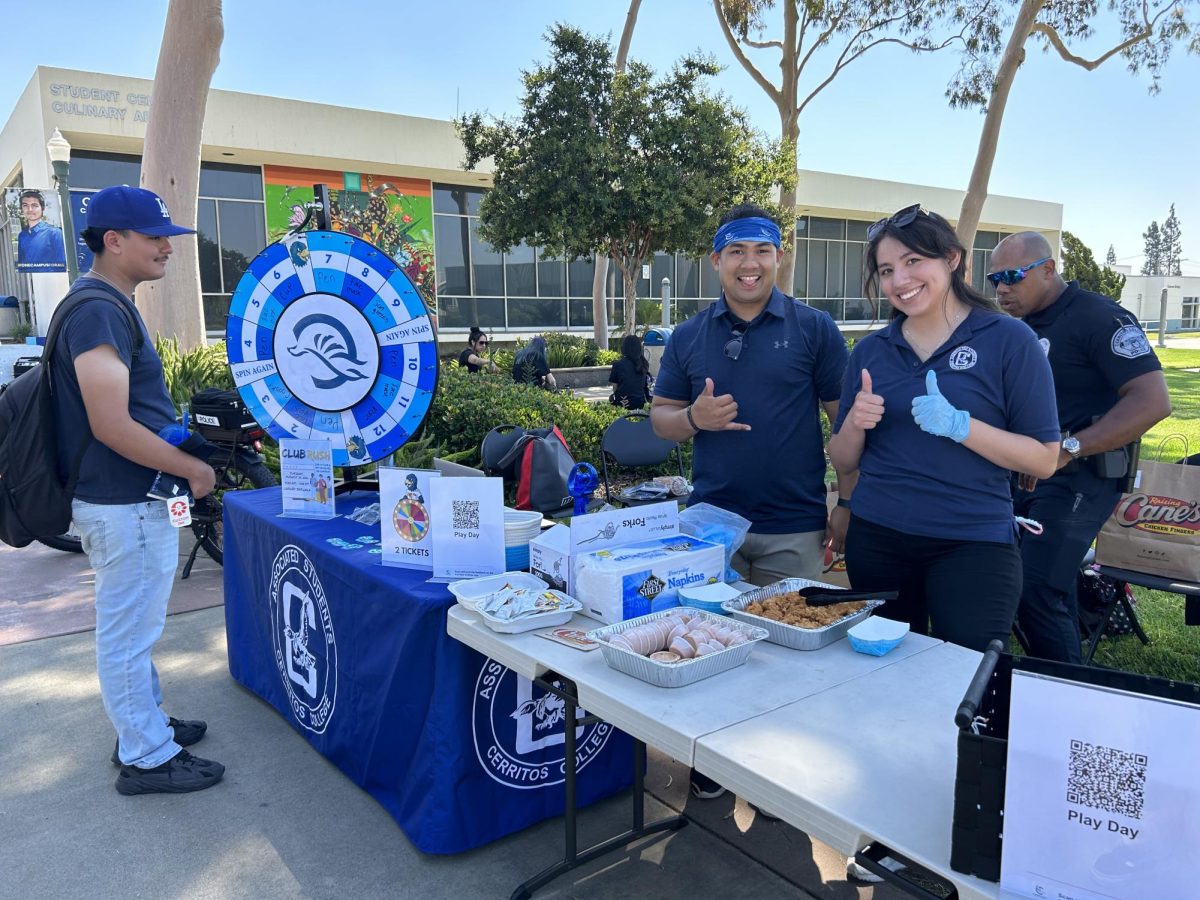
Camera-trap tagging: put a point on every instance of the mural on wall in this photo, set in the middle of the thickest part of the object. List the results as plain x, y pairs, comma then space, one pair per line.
394, 214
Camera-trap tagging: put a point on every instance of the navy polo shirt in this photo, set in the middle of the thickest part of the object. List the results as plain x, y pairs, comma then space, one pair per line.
1094, 346
923, 484
793, 357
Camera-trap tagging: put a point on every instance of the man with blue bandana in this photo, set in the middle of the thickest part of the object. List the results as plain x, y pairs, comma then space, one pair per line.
746, 379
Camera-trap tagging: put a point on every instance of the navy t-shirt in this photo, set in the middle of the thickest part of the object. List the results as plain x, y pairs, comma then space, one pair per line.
106, 477
923, 484
793, 357
1094, 346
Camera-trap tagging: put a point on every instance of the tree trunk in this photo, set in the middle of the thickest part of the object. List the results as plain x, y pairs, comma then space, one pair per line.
188, 57
787, 103
631, 278
1006, 72
600, 278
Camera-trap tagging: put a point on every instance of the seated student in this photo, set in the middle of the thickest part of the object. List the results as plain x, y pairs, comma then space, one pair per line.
935, 411
474, 358
531, 365
630, 375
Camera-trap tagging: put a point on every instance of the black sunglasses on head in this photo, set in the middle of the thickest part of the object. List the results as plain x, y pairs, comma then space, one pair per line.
900, 219
733, 348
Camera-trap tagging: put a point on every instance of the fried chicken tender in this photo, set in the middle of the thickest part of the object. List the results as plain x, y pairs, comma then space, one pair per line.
792, 609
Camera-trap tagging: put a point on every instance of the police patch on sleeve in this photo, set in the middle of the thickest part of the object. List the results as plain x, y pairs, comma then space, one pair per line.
1130, 342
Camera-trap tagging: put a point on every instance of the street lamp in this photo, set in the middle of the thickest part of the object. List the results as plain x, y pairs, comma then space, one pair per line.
60, 159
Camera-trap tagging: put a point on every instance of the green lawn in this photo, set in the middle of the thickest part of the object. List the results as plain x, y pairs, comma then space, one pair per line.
1174, 651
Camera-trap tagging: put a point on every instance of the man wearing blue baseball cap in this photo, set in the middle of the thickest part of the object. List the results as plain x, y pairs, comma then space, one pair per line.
746, 379
109, 377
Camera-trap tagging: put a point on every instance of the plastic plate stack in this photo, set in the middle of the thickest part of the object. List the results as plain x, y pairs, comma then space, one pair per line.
520, 527
673, 675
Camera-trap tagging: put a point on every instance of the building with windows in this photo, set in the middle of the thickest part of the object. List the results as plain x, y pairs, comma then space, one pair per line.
398, 180
1148, 296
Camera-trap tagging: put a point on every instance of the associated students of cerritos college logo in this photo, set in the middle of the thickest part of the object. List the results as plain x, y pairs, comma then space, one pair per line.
302, 635
519, 731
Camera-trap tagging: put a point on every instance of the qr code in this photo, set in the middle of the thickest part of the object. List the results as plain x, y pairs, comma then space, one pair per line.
466, 513
1105, 778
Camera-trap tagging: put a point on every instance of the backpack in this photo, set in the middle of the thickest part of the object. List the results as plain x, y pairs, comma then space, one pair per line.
34, 501
540, 462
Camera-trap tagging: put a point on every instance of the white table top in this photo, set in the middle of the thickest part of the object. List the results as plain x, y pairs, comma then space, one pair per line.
673, 719
860, 762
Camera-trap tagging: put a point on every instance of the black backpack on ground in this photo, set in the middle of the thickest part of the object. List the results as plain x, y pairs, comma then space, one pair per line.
34, 501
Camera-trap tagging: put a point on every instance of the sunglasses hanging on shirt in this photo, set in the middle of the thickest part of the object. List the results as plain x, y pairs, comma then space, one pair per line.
733, 347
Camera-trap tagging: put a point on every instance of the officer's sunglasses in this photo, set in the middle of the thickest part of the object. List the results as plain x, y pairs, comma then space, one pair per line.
733, 348
1012, 276
900, 219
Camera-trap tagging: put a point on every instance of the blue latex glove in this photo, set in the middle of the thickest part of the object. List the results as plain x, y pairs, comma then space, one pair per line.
934, 414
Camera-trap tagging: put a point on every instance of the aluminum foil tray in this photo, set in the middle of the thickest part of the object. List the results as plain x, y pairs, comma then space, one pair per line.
791, 635
689, 671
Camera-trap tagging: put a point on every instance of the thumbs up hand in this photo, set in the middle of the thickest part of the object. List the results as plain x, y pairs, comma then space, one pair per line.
716, 412
934, 414
867, 411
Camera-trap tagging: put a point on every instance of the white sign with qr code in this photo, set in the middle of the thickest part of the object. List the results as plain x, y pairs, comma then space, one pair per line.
468, 539
1101, 792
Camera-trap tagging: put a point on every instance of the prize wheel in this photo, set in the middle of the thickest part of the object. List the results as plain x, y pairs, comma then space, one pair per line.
410, 519
329, 340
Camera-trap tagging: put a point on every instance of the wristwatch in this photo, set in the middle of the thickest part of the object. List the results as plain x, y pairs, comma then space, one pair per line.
1072, 446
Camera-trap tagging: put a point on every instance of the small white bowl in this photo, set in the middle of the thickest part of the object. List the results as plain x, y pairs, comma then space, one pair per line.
876, 635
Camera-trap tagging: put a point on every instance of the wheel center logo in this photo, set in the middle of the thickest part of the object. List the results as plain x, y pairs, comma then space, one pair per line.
519, 731
303, 639
326, 352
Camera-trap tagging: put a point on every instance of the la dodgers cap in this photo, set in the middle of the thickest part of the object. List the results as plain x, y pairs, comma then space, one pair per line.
125, 208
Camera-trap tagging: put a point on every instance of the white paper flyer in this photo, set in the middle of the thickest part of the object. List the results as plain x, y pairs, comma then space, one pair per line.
405, 523
306, 468
469, 538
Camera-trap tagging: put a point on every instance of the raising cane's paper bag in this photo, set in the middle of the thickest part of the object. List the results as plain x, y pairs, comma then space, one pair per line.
1156, 528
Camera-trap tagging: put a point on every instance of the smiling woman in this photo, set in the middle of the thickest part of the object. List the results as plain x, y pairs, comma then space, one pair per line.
935, 411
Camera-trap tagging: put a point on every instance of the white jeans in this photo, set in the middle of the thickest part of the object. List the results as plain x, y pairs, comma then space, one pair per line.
134, 550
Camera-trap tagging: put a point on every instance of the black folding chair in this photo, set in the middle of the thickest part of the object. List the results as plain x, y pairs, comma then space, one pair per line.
630, 443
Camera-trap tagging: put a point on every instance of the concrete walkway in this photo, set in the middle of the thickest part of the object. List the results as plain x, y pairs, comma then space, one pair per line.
284, 823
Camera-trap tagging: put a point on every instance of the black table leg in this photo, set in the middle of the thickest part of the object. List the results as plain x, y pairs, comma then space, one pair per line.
566, 690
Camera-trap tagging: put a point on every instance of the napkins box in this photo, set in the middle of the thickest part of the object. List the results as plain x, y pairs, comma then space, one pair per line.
643, 577
550, 558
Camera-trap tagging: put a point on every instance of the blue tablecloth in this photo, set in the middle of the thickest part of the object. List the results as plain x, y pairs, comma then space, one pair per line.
458, 749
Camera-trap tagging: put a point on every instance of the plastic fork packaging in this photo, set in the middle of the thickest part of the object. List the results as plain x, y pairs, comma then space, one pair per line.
636, 579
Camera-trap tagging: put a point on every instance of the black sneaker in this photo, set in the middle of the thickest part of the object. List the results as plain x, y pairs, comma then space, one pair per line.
187, 732
704, 787
180, 774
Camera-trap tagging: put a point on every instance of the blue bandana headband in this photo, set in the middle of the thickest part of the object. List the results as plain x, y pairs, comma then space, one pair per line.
755, 230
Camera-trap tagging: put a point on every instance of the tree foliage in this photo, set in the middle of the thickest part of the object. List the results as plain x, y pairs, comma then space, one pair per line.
816, 40
1110, 258
1152, 264
626, 164
994, 49
1078, 264
1172, 244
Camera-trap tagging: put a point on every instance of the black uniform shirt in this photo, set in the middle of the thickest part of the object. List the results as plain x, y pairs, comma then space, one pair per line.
1094, 346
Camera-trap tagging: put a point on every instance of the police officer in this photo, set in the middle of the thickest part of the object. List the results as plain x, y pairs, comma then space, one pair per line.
1110, 391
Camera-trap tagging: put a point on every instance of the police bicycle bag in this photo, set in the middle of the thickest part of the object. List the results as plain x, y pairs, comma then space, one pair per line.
34, 500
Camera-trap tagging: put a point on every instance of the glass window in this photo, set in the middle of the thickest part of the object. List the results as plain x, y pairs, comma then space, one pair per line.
520, 274
854, 269
580, 313
800, 276
816, 269
802, 226
537, 313
209, 247
450, 246
90, 169
833, 307
243, 235
979, 263
229, 181
835, 271
688, 271
552, 277
216, 308
580, 273
487, 265
457, 198
856, 230
662, 266
463, 312
710, 284
986, 240
828, 228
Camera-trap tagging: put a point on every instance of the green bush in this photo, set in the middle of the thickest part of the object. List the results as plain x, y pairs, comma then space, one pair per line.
20, 331
188, 373
607, 357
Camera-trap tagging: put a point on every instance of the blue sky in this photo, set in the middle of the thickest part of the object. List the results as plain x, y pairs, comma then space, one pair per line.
1115, 157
